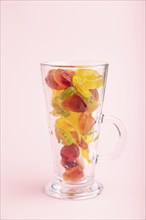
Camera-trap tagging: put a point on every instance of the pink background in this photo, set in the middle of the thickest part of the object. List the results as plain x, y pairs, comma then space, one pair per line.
33, 31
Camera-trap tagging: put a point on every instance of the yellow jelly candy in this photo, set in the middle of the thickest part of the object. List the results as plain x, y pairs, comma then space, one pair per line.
58, 109
95, 83
87, 73
63, 136
80, 85
74, 119
92, 79
56, 92
64, 124
89, 137
63, 128
69, 128
85, 154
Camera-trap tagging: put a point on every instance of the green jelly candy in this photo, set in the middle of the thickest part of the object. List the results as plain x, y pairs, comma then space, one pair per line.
68, 92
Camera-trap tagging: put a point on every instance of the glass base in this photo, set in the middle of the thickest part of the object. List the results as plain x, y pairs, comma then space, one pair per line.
73, 191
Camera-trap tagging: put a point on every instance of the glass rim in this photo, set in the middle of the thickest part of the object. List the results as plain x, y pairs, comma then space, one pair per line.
75, 64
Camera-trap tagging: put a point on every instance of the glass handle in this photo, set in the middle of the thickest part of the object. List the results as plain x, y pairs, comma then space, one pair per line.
121, 142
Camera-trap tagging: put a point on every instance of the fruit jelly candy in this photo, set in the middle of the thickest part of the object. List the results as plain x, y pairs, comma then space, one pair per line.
70, 152
59, 79
68, 164
63, 136
56, 103
95, 94
52, 83
63, 78
86, 122
79, 140
89, 137
92, 79
75, 103
68, 92
87, 73
73, 174
80, 85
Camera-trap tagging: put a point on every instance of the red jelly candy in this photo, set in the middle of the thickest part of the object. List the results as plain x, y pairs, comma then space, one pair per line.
51, 82
68, 164
74, 103
70, 152
86, 122
63, 78
73, 174
59, 79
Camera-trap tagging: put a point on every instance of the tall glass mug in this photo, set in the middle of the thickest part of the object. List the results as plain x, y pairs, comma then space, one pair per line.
74, 95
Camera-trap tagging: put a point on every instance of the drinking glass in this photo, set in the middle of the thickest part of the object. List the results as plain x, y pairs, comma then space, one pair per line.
74, 94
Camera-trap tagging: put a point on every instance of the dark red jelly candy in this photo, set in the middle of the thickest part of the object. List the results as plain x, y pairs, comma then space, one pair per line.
70, 152
68, 164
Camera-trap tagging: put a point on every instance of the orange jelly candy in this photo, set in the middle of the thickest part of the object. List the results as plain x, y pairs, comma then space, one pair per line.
95, 94
86, 122
83, 144
79, 140
93, 104
75, 173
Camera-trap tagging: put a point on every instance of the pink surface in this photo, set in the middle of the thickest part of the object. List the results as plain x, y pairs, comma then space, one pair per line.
35, 31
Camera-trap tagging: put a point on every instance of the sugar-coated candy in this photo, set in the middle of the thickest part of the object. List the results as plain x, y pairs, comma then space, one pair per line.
73, 174
70, 152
